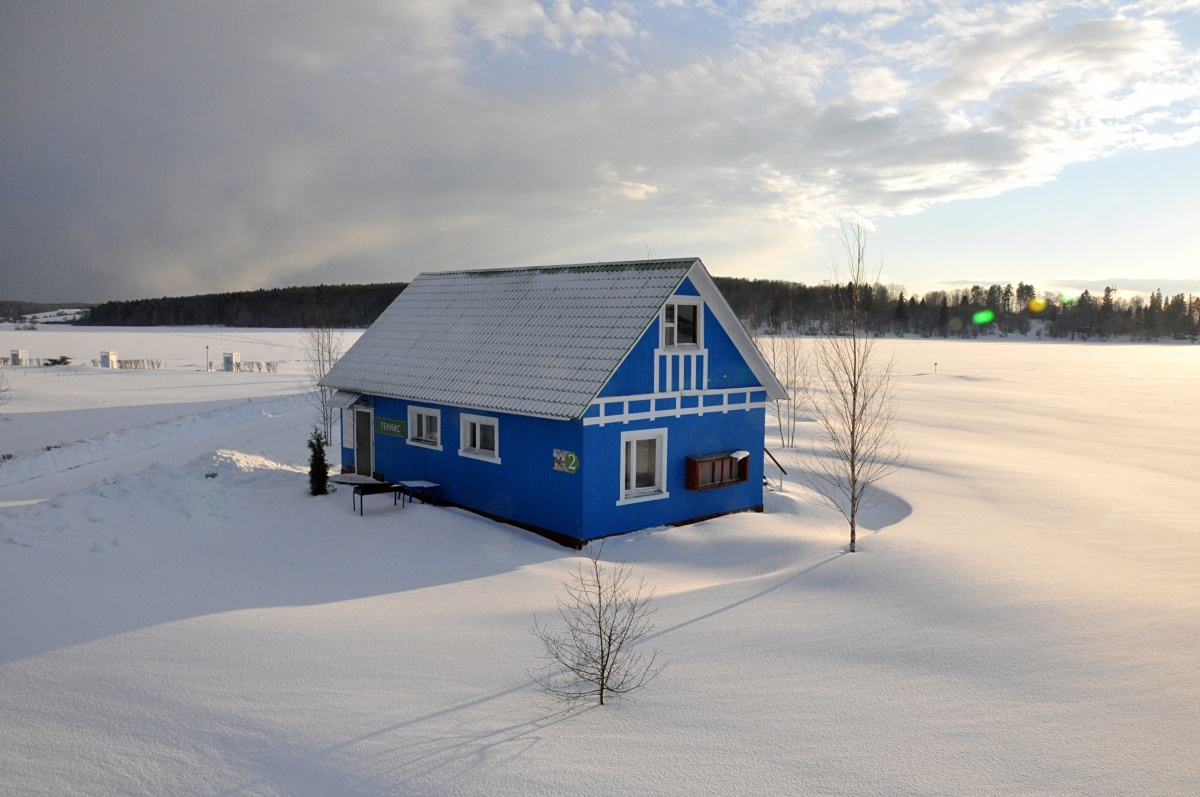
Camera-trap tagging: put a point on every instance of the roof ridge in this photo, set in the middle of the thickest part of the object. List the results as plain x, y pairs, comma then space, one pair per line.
602, 265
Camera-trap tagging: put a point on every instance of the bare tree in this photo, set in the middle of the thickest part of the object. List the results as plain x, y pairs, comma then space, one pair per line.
852, 395
322, 348
789, 361
5, 392
604, 617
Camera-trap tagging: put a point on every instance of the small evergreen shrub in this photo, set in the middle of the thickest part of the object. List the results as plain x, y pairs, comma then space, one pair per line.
318, 468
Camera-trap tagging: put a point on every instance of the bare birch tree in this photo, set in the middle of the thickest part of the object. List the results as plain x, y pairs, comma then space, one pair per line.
5, 392
790, 363
852, 395
604, 616
322, 348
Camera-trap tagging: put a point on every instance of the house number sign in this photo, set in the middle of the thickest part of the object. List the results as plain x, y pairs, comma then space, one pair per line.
567, 461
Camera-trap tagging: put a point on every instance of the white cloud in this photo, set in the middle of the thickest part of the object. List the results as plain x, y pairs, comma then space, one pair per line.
234, 142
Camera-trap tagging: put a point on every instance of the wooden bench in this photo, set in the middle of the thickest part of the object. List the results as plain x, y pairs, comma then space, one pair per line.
419, 488
366, 485
374, 489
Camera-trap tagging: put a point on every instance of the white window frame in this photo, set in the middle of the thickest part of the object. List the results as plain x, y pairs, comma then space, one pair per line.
348, 428
669, 328
464, 436
637, 496
413, 440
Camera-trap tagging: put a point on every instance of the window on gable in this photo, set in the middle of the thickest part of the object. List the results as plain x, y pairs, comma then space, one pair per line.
480, 437
680, 325
424, 426
643, 465
717, 470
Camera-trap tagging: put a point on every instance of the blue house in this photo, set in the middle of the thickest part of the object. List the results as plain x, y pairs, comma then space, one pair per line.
575, 401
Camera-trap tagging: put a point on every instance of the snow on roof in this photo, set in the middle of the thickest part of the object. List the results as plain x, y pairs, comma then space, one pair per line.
536, 341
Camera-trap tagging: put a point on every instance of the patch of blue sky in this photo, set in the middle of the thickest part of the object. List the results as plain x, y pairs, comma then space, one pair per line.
1185, 25
666, 37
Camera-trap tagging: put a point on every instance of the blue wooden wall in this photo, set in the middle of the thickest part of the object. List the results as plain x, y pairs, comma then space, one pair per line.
524, 485
689, 435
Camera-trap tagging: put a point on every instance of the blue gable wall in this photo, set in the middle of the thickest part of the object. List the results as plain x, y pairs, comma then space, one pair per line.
726, 366
635, 376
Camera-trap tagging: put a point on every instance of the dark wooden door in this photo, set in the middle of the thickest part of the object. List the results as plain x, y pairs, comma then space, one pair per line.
364, 436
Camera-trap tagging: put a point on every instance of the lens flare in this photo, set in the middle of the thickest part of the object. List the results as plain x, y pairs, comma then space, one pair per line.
1037, 304
983, 317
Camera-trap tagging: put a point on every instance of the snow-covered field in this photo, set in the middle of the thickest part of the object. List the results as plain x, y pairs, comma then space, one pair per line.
1023, 616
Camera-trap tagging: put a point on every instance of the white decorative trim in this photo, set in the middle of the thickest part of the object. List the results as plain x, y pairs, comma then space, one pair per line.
625, 416
676, 363
413, 410
464, 420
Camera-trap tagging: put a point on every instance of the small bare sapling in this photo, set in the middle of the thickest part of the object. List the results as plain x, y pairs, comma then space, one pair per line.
604, 615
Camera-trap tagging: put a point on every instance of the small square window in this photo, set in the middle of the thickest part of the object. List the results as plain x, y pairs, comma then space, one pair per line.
480, 437
424, 427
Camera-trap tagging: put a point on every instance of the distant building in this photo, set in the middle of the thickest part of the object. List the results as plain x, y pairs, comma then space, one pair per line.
576, 401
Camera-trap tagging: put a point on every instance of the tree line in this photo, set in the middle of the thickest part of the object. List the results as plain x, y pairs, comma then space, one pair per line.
339, 306
770, 306
775, 306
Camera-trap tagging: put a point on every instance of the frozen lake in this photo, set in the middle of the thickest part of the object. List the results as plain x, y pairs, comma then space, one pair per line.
1022, 617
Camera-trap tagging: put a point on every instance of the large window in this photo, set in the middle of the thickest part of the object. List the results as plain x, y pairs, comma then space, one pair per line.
681, 325
425, 427
479, 437
643, 466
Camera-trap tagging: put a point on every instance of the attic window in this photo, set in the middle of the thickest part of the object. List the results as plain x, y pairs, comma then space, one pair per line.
681, 325
718, 470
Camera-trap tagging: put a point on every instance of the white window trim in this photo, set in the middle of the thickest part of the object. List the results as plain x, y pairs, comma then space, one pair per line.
660, 467
413, 410
348, 428
696, 302
464, 422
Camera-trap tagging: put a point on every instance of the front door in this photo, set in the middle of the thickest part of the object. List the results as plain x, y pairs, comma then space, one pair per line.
364, 435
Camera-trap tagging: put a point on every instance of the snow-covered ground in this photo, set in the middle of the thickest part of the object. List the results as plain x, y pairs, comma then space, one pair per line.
179, 617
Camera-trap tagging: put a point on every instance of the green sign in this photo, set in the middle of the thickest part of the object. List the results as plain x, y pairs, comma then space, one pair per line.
567, 461
391, 427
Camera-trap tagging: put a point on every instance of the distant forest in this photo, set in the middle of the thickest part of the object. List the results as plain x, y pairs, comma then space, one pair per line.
343, 306
770, 306
774, 306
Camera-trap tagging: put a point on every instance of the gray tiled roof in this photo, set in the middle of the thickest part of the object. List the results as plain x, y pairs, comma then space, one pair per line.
538, 341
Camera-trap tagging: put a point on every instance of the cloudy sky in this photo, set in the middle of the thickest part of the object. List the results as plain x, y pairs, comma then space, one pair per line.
157, 148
